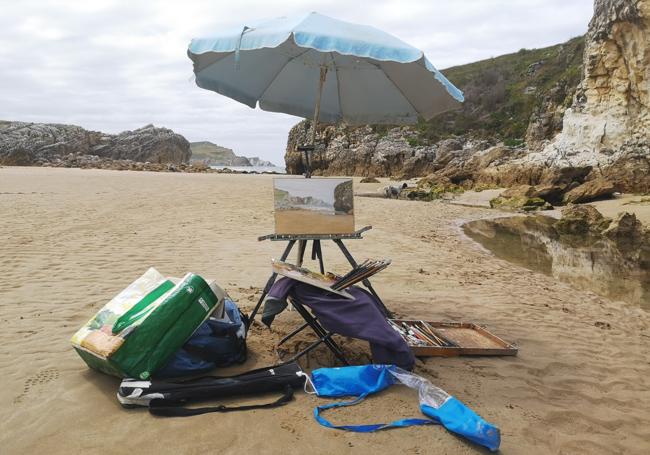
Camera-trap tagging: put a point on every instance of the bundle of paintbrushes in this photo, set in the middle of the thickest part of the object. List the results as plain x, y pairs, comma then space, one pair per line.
419, 333
364, 270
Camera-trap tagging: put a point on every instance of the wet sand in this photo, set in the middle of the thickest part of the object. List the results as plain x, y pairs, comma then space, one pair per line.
71, 239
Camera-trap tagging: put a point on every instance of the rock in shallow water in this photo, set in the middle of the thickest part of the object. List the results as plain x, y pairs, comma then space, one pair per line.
583, 248
581, 220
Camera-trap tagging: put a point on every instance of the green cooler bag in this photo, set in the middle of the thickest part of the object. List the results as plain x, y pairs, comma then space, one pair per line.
137, 332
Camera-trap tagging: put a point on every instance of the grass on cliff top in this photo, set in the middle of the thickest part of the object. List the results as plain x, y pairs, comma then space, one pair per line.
502, 93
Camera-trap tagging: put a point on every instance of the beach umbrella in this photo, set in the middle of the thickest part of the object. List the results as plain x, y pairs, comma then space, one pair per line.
316, 66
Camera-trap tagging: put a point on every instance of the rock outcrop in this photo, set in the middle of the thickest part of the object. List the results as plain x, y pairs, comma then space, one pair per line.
256, 161
608, 124
27, 144
366, 151
592, 190
601, 112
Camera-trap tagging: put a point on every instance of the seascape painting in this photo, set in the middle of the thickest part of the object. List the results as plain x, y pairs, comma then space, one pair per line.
313, 206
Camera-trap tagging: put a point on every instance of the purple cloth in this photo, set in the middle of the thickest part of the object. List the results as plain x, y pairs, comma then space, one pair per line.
360, 318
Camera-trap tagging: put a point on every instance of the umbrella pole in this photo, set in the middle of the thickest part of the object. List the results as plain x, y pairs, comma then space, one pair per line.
307, 158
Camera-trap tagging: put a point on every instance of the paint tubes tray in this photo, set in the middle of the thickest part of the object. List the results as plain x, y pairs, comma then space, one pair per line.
450, 339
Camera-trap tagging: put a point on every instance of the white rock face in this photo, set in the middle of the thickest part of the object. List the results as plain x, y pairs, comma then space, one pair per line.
610, 115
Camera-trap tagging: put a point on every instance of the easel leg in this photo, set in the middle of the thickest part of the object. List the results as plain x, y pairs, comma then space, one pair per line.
317, 253
302, 246
365, 282
321, 333
269, 283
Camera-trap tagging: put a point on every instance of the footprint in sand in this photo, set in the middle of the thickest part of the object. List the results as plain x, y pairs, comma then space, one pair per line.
39, 379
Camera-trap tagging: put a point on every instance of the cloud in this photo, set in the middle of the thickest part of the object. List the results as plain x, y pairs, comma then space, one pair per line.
112, 65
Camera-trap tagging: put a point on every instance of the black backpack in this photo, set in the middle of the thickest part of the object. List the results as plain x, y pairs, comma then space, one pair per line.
168, 398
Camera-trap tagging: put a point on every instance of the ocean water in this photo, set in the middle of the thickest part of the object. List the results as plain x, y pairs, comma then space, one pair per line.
260, 169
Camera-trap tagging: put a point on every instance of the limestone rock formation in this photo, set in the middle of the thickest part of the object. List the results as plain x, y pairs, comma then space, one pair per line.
25, 144
365, 151
39, 143
608, 125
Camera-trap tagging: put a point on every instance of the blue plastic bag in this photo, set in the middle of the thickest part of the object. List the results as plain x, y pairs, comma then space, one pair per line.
435, 403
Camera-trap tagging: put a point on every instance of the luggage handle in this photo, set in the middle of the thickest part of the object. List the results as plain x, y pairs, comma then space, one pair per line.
166, 408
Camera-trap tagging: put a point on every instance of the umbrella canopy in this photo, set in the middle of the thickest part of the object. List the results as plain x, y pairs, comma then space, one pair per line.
346, 72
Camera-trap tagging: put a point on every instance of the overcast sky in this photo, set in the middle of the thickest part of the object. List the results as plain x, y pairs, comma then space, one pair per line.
112, 65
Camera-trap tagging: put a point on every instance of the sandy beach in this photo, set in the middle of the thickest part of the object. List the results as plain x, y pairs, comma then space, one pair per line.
71, 239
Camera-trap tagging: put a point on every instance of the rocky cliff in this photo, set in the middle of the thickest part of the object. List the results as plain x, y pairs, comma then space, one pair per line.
216, 155
594, 92
27, 144
608, 124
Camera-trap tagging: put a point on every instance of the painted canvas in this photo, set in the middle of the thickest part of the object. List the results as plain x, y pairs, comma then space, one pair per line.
313, 206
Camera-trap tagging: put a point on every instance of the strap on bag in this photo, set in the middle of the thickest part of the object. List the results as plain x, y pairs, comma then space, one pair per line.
166, 408
364, 428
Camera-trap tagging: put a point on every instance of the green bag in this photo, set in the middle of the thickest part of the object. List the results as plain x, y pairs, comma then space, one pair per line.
137, 332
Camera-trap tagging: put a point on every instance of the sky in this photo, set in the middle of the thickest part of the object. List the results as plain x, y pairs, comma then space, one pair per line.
115, 65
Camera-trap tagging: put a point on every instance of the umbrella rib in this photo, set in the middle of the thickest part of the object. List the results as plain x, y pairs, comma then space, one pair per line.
213, 63
278, 73
399, 89
338, 83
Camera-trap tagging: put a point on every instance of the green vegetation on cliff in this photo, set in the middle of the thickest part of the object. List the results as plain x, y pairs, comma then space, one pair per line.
502, 93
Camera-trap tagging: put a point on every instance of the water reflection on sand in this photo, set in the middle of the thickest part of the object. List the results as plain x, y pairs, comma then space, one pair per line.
597, 266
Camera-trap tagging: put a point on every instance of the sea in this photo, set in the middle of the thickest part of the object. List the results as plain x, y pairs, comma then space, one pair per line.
259, 169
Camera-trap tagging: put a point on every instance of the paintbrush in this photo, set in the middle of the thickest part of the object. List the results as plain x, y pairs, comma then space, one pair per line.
443, 338
420, 334
431, 334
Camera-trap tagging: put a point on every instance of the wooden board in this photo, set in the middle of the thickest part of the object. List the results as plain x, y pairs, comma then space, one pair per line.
468, 338
307, 276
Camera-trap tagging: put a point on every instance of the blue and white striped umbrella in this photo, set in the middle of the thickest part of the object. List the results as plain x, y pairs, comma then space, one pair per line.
317, 66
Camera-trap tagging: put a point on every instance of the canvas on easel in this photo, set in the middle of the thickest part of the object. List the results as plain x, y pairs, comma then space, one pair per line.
313, 206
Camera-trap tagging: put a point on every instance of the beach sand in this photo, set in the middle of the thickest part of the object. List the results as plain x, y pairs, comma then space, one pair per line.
71, 239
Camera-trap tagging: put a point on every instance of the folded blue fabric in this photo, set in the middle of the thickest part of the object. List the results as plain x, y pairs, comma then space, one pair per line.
435, 403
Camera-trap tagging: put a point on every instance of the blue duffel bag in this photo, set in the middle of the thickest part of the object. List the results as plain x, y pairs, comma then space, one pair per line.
216, 343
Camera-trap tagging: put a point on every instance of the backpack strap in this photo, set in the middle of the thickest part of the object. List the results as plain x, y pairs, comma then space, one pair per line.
168, 408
